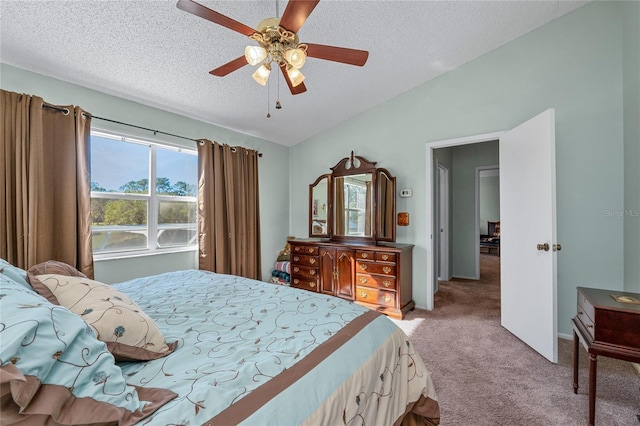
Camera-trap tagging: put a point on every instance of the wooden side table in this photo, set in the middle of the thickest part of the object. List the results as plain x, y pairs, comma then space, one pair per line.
607, 324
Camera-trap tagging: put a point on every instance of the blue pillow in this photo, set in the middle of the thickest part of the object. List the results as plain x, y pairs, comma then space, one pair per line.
14, 273
56, 368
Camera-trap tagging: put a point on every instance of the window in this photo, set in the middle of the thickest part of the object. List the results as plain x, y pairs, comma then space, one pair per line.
143, 196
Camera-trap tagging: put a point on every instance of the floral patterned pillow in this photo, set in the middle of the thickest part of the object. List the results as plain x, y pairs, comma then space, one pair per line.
54, 371
130, 334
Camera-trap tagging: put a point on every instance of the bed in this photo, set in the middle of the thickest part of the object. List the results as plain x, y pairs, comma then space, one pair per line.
232, 351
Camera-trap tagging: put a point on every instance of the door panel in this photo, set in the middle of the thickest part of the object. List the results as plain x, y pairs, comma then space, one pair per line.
345, 281
327, 269
528, 218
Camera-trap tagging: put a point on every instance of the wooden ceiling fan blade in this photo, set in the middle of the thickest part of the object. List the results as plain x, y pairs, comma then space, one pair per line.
213, 16
296, 13
229, 67
300, 88
338, 54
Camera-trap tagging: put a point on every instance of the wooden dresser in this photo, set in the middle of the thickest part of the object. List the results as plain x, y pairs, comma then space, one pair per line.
376, 276
608, 324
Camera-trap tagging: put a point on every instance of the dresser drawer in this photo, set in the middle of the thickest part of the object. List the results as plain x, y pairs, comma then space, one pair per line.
376, 268
378, 281
301, 259
305, 271
304, 283
375, 296
308, 250
382, 256
365, 254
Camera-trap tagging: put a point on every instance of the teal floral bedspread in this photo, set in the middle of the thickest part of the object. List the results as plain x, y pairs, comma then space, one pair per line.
251, 352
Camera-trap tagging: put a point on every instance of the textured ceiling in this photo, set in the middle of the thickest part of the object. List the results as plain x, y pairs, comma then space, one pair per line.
152, 52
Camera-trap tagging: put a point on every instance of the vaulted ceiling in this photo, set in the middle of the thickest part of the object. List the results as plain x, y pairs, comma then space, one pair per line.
153, 53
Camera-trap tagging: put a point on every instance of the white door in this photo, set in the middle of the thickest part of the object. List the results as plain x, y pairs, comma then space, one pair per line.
528, 222
443, 223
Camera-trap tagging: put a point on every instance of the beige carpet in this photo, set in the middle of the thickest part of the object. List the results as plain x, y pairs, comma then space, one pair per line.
486, 376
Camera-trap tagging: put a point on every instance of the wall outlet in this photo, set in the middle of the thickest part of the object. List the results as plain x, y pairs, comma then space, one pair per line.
406, 193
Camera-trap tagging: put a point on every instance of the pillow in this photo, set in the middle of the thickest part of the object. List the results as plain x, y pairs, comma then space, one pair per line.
54, 370
52, 267
14, 273
129, 333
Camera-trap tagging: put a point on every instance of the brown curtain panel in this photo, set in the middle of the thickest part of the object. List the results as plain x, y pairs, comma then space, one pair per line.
228, 210
45, 209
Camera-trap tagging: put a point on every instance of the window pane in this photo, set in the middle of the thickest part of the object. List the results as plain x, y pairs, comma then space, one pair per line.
177, 223
177, 172
119, 166
118, 224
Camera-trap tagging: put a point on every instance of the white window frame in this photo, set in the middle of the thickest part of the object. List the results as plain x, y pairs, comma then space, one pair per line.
153, 199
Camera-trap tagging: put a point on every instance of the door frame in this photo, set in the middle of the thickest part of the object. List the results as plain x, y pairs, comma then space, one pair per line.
442, 219
477, 205
430, 208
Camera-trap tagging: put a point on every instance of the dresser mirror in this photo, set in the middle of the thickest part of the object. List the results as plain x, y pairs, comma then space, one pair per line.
319, 218
355, 203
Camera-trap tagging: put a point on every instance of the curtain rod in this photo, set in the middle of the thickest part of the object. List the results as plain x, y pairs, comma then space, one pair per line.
66, 111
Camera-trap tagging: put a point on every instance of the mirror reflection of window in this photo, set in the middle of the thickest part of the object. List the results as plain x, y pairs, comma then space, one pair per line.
355, 205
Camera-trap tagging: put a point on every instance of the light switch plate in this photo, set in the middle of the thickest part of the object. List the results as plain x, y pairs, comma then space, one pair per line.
406, 193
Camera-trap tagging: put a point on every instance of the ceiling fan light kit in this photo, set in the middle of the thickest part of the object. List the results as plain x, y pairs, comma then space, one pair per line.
261, 75
278, 43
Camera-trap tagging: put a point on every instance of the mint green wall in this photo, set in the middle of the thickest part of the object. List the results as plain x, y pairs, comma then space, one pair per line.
489, 201
273, 166
573, 64
466, 158
631, 81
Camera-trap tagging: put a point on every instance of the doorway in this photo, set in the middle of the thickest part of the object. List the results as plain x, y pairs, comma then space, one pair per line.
528, 213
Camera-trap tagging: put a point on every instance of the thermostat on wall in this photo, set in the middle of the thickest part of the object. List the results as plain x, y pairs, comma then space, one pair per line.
406, 193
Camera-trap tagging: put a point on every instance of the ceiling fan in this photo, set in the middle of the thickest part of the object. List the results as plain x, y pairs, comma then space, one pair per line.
277, 43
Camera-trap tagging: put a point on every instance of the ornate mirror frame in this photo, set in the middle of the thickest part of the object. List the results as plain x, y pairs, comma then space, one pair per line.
378, 222
320, 197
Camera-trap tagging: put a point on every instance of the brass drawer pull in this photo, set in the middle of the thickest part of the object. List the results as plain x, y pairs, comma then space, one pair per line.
312, 261
312, 272
386, 269
296, 269
297, 249
365, 255
296, 281
310, 250
363, 294
296, 258
387, 298
387, 283
385, 256
312, 285
364, 267
363, 280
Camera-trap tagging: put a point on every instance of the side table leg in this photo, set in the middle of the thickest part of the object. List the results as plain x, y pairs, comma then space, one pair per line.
593, 367
576, 356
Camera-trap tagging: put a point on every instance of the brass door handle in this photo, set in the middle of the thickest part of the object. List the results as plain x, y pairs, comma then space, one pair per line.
542, 247
557, 247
